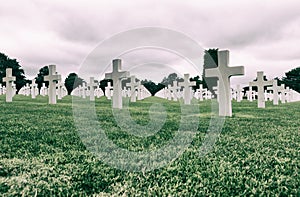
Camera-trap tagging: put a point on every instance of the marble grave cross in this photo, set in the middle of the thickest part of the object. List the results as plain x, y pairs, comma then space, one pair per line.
9, 79
224, 72
116, 75
260, 83
53, 77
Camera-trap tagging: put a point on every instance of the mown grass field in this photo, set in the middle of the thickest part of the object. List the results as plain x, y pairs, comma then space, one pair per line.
41, 153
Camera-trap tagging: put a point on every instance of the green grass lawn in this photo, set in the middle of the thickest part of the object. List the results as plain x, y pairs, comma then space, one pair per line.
42, 154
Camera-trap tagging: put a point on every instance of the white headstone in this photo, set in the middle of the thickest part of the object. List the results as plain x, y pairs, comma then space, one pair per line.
133, 84
53, 77
260, 84
9, 79
92, 86
108, 89
43, 90
186, 84
116, 76
60, 86
174, 90
239, 93
33, 87
276, 90
224, 72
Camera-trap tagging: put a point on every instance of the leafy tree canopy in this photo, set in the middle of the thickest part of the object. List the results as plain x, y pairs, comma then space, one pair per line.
292, 79
17, 71
39, 79
72, 82
169, 80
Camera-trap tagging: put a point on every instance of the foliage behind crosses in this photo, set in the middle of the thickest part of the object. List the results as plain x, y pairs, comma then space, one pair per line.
39, 79
17, 71
72, 82
198, 82
292, 79
152, 87
169, 80
210, 61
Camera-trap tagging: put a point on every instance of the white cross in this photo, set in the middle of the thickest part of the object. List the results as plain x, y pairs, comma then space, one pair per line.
200, 92
108, 89
260, 83
174, 90
239, 92
224, 72
133, 84
9, 79
283, 93
60, 86
92, 86
186, 84
116, 76
33, 89
53, 77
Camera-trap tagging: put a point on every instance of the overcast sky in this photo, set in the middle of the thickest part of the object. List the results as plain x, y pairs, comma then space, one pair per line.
261, 35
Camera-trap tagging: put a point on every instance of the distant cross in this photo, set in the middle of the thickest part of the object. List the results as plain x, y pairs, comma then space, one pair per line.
260, 83
224, 72
174, 90
53, 77
168, 92
108, 89
92, 86
132, 84
9, 79
83, 90
140, 91
116, 75
200, 92
60, 86
250, 94
33, 88
239, 92
43, 90
283, 92
186, 84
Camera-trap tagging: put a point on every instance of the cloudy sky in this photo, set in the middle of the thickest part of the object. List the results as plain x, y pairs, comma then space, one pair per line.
260, 34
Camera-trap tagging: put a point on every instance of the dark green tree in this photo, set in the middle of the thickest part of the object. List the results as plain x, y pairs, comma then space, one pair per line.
39, 79
169, 80
72, 82
17, 71
152, 87
292, 79
198, 82
103, 84
210, 61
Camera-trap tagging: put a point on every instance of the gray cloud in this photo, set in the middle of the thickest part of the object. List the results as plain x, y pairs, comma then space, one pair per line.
260, 34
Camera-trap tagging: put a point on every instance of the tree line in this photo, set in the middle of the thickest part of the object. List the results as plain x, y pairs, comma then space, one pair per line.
291, 78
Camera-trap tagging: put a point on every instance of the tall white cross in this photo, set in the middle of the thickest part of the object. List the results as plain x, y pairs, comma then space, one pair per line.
186, 84
116, 75
260, 84
133, 84
224, 72
92, 86
9, 79
53, 77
